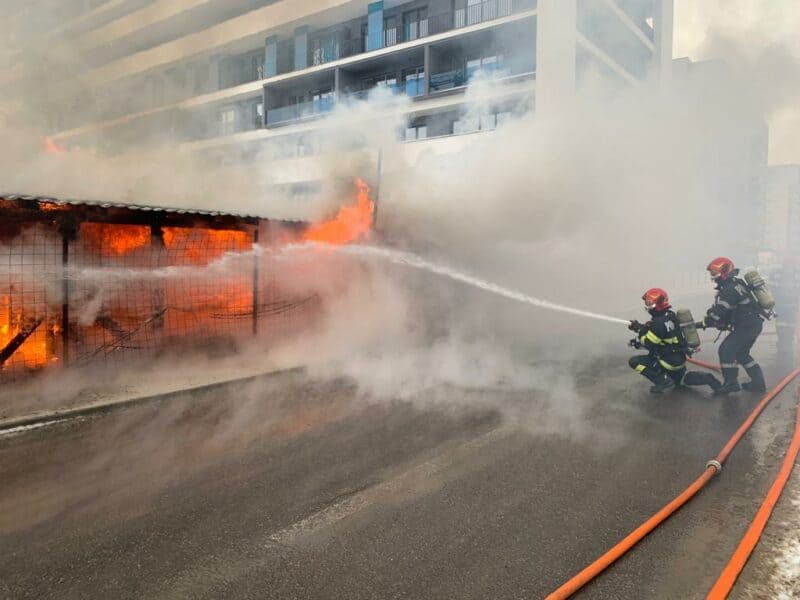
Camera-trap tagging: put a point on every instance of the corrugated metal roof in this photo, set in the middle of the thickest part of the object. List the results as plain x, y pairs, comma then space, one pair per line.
137, 207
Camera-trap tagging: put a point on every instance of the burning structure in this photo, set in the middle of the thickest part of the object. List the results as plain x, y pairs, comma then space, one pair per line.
84, 282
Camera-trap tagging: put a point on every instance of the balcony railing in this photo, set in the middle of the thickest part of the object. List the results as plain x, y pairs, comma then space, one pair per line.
390, 37
294, 112
415, 30
411, 88
487, 10
448, 80
460, 77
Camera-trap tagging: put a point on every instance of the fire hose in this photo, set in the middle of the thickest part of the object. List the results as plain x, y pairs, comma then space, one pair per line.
705, 365
713, 467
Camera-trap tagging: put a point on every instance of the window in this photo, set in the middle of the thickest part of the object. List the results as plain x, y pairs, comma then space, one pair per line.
325, 49
414, 81
484, 122
474, 11
384, 80
227, 121
391, 27
322, 100
416, 132
415, 24
488, 64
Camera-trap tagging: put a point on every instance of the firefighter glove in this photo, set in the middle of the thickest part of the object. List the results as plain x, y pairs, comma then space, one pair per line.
635, 326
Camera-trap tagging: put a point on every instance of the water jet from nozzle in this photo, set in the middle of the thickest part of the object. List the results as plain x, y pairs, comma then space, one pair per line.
417, 262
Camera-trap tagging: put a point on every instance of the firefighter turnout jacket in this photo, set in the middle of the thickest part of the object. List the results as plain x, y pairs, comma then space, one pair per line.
661, 337
733, 305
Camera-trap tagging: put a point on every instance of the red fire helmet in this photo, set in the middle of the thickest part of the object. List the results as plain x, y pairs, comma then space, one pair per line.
720, 268
656, 299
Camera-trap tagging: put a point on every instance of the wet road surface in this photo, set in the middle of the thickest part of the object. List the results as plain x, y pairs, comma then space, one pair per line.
292, 488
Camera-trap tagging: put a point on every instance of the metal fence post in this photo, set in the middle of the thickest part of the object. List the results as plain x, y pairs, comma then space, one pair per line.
67, 231
256, 276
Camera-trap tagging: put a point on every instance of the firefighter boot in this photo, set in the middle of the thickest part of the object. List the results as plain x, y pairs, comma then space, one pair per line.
695, 378
756, 383
730, 384
663, 385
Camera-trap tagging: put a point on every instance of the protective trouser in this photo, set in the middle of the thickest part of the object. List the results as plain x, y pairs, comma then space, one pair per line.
651, 368
658, 370
698, 378
735, 350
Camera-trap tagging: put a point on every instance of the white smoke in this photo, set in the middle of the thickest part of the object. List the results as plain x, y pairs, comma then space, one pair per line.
759, 41
618, 191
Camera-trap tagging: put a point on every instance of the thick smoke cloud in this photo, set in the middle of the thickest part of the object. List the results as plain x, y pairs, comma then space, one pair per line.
759, 41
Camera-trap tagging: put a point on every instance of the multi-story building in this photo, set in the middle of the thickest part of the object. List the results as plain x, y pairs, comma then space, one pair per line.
781, 220
732, 145
222, 74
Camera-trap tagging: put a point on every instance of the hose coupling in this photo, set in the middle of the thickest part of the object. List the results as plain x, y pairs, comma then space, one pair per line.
716, 464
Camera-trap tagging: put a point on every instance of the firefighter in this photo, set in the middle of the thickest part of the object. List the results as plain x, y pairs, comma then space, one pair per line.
785, 284
737, 311
665, 361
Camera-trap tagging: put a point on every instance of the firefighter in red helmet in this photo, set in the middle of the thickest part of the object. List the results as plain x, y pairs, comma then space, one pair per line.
665, 362
736, 310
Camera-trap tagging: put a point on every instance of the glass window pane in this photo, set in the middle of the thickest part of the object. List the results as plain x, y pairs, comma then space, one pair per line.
472, 67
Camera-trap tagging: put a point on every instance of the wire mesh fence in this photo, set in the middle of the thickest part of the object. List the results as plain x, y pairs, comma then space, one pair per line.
107, 292
30, 322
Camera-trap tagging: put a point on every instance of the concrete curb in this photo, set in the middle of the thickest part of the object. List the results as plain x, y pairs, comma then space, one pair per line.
106, 407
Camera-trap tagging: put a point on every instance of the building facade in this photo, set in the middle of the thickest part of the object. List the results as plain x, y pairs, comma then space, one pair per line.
220, 72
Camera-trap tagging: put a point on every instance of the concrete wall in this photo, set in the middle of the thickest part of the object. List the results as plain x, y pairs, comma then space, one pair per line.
555, 53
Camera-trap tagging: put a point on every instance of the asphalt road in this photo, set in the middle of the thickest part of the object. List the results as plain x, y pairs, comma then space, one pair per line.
291, 488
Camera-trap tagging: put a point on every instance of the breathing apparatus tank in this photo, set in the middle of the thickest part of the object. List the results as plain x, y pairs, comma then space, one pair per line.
760, 291
688, 329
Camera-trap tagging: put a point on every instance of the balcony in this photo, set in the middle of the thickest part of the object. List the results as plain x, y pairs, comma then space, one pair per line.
302, 110
448, 80
240, 69
479, 12
330, 49
411, 88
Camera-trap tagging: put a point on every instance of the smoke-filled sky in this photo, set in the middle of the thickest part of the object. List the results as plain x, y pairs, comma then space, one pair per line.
759, 39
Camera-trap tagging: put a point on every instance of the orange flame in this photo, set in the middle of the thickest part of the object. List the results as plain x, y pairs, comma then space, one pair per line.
37, 350
350, 224
53, 147
115, 240
198, 246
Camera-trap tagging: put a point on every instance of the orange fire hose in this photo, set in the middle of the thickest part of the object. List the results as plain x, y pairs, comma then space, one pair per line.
705, 365
712, 468
730, 574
